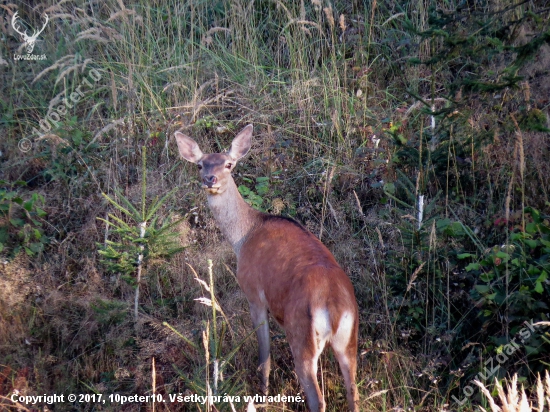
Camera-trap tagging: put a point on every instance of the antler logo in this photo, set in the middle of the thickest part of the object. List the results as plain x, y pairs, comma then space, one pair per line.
29, 40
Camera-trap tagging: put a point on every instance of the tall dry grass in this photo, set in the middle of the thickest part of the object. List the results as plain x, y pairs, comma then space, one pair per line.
324, 83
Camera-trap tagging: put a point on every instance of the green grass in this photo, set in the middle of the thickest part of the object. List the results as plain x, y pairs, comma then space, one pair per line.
340, 95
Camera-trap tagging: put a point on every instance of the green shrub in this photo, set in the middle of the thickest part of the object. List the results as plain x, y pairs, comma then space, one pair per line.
20, 222
513, 287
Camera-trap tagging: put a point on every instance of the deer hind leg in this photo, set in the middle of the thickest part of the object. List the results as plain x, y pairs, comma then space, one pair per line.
260, 321
306, 349
306, 369
344, 344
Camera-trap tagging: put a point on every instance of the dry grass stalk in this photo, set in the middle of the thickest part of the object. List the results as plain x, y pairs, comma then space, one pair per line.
380, 239
85, 21
325, 198
371, 25
316, 25
95, 37
526, 94
208, 302
66, 72
114, 94
199, 91
107, 128
56, 100
205, 344
154, 379
55, 139
10, 8
395, 16
433, 236
63, 2
335, 117
63, 16
94, 33
540, 392
121, 13
342, 22
218, 29
85, 64
59, 63
359, 207
282, 6
334, 215
521, 152
198, 106
207, 38
330, 17
547, 390
414, 276
54, 8
514, 401
317, 4
172, 86
378, 393
508, 199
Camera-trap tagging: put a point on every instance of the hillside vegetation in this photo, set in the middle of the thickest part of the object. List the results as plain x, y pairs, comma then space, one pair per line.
413, 139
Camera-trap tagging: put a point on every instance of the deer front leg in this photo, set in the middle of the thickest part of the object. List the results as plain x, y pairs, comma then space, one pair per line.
260, 321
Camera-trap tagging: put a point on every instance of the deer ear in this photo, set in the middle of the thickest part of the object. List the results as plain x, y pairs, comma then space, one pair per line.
241, 143
188, 148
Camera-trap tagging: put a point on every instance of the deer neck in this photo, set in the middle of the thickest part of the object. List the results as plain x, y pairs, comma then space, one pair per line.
234, 216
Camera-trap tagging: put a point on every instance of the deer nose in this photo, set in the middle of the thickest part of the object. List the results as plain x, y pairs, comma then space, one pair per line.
210, 180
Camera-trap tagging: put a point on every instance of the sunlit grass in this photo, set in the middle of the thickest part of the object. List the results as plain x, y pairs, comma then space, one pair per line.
344, 135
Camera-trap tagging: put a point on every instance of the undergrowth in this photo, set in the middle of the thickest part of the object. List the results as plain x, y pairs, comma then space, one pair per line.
412, 139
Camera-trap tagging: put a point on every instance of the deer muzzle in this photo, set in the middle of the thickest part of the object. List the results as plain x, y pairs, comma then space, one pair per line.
209, 181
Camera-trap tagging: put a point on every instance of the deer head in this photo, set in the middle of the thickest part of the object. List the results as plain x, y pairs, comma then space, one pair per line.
215, 169
29, 40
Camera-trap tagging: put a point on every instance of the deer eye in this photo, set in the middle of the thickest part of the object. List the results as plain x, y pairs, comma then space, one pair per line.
199, 166
228, 165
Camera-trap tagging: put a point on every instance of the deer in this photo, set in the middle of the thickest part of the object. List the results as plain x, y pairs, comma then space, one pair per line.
284, 270
30, 41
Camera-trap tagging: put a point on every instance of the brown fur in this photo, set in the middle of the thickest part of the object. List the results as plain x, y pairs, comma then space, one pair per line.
286, 271
306, 270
